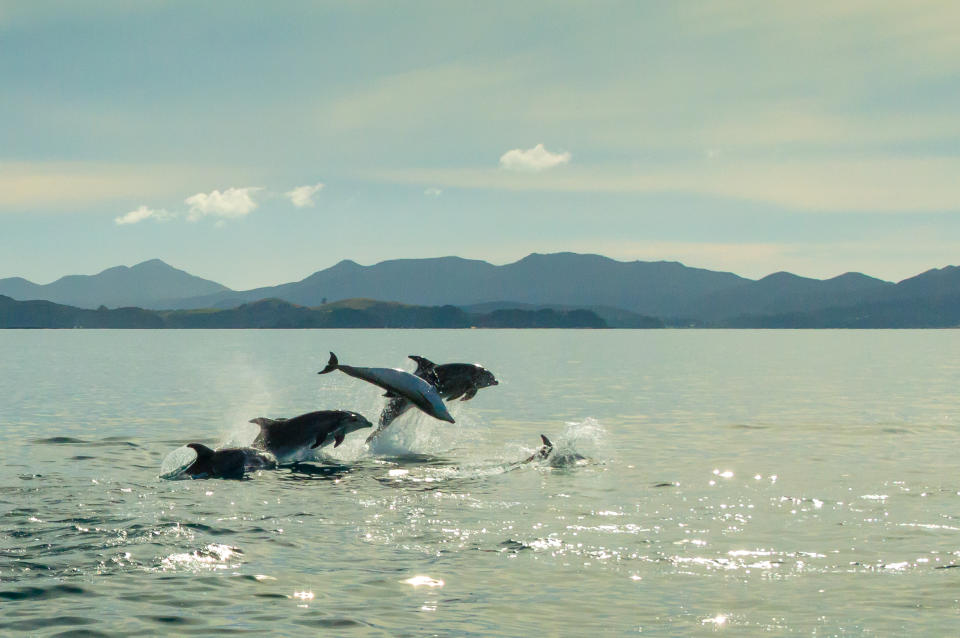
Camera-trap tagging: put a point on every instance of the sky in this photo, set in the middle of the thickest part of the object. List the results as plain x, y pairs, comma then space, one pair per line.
255, 143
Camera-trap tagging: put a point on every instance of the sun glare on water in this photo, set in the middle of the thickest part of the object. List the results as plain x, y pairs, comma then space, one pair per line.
423, 581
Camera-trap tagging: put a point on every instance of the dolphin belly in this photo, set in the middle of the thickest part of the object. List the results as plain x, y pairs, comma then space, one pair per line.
399, 384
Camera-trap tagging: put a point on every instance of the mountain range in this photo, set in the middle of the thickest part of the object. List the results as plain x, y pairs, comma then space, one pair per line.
624, 294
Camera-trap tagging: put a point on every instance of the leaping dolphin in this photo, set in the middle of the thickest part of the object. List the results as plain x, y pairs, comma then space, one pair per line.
228, 463
452, 381
288, 439
397, 383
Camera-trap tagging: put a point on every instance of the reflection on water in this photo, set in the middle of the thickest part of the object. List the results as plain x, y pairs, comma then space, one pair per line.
747, 483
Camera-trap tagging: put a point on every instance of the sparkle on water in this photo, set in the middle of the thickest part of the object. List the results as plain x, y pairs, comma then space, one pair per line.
700, 482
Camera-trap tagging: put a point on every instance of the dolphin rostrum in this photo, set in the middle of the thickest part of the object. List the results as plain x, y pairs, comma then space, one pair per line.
228, 463
288, 439
397, 383
452, 381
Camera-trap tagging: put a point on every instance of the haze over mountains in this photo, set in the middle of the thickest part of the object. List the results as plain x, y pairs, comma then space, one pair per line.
561, 280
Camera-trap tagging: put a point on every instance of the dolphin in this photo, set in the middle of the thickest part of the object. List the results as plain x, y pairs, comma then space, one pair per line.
553, 457
227, 463
397, 383
452, 381
291, 438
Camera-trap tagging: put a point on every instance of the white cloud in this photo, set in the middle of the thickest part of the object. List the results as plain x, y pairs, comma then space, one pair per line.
142, 213
533, 159
433, 192
302, 196
232, 203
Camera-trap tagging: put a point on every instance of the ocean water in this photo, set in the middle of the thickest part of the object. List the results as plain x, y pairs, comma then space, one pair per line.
731, 482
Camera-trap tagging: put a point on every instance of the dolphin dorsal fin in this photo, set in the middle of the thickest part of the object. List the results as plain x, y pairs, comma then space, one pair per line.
201, 450
423, 364
263, 421
546, 441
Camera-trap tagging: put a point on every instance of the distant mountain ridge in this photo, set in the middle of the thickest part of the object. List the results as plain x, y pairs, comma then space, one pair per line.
145, 285
624, 294
563, 279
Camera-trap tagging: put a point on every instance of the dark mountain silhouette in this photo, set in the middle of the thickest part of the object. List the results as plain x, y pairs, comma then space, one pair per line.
783, 292
620, 294
935, 283
561, 279
928, 300
147, 284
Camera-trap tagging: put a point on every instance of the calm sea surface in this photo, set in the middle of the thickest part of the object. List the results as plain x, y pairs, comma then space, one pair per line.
734, 482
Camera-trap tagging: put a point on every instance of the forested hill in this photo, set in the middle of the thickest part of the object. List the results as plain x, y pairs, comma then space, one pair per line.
274, 313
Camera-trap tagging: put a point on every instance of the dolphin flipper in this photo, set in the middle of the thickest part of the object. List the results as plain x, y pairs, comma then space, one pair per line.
469, 394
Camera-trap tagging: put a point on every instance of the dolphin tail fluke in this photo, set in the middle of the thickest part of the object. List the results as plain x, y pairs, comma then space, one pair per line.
202, 450
331, 364
545, 440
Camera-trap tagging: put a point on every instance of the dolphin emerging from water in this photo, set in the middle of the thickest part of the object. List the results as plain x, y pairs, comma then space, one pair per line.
290, 438
452, 381
228, 463
397, 383
555, 458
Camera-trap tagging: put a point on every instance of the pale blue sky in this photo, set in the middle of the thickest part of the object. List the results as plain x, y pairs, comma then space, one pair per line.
815, 137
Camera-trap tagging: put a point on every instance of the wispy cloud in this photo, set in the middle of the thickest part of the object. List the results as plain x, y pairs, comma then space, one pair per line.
144, 213
878, 183
70, 187
232, 203
533, 160
302, 196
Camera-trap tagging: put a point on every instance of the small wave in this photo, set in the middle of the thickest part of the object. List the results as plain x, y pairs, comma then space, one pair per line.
60, 440
45, 593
